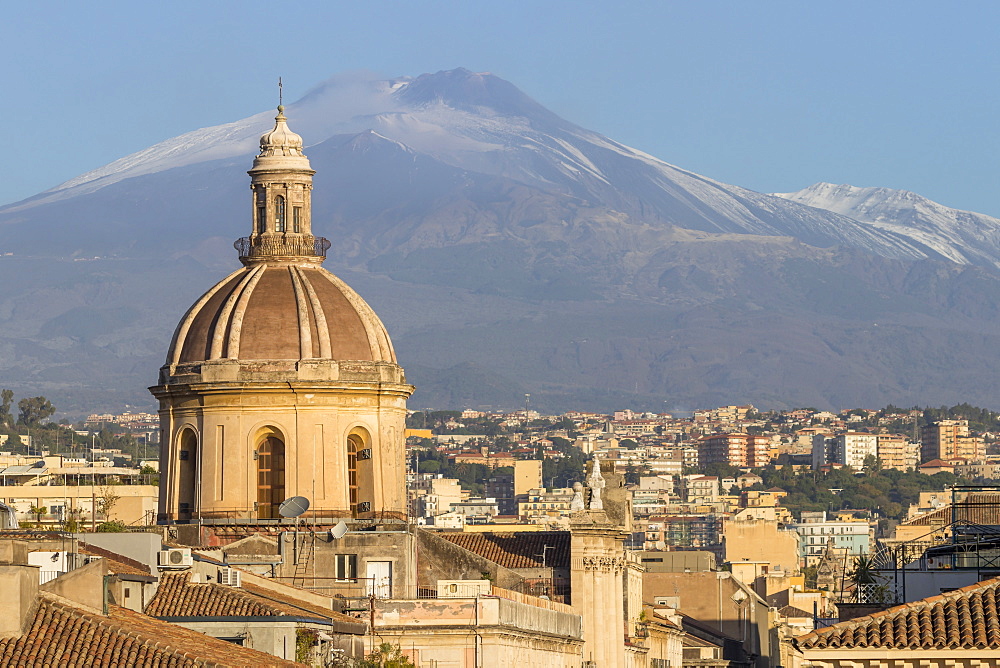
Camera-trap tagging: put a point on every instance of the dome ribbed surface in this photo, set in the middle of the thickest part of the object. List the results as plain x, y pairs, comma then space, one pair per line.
280, 312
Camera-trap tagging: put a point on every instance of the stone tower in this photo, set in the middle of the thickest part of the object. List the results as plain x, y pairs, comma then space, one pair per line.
280, 380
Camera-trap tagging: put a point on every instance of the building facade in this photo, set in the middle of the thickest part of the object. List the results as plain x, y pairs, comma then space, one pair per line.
741, 450
950, 439
816, 531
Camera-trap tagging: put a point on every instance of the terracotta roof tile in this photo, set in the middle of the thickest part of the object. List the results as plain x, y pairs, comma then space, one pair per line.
177, 596
117, 563
516, 549
307, 609
65, 634
965, 618
792, 611
976, 508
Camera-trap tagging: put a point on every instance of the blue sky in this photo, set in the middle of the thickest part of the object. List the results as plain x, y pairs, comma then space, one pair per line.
772, 96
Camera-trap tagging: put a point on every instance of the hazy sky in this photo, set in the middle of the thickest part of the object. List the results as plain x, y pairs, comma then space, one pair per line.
772, 96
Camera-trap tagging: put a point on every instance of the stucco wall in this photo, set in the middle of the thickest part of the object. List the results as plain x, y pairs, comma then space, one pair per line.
276, 638
761, 540
503, 633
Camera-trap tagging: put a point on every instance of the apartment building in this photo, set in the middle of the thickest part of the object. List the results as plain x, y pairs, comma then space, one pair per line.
846, 449
950, 439
896, 451
735, 449
816, 531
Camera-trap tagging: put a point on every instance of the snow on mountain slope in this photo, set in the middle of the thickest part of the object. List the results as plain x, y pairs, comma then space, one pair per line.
960, 236
483, 124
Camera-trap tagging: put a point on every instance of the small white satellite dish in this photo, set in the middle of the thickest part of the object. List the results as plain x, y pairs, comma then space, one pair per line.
338, 531
293, 506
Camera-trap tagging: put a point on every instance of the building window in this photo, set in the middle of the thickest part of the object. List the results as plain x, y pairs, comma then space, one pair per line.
279, 214
270, 477
354, 445
261, 219
346, 568
297, 219
187, 473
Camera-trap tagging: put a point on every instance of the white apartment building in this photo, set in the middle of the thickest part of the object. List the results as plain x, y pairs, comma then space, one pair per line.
815, 531
847, 449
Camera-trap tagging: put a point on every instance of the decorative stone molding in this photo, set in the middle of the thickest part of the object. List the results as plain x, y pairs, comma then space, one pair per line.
605, 564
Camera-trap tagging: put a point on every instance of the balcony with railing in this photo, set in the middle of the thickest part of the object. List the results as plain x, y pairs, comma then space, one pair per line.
281, 246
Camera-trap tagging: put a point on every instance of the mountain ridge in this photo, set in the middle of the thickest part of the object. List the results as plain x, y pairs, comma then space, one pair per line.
492, 236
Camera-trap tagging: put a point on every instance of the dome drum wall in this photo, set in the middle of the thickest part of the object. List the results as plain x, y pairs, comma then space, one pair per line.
225, 427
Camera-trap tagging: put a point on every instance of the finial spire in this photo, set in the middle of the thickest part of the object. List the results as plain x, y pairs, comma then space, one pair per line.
281, 102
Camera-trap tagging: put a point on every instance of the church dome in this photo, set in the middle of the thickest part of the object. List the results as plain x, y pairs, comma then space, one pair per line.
281, 312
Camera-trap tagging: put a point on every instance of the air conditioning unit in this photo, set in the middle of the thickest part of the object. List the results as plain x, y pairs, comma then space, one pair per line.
464, 588
229, 577
178, 557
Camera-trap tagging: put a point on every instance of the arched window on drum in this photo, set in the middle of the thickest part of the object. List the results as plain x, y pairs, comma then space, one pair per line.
359, 473
279, 214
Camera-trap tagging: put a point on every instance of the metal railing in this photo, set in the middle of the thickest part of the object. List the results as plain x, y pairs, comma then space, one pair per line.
309, 246
319, 520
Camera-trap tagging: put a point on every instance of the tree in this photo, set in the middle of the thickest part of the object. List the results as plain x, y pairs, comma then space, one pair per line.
107, 500
112, 526
32, 410
386, 656
631, 474
38, 511
868, 586
6, 399
430, 466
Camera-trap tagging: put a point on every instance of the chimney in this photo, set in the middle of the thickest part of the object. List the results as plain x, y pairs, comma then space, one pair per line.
18, 588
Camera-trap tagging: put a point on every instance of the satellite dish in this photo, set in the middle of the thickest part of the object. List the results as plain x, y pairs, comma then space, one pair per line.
338, 531
293, 506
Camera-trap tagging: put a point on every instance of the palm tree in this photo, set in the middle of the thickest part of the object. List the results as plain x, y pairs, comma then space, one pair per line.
38, 511
868, 587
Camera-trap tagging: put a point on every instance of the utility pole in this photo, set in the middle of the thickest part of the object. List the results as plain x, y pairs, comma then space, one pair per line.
93, 492
545, 548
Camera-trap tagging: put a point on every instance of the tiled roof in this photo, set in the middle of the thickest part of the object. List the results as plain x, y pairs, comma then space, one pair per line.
63, 634
177, 596
792, 611
977, 508
965, 618
934, 463
306, 609
117, 563
517, 549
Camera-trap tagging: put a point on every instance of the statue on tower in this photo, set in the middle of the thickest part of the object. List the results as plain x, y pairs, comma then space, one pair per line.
596, 483
577, 504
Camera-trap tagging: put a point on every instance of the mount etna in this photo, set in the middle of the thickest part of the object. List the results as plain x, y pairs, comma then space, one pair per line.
510, 251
